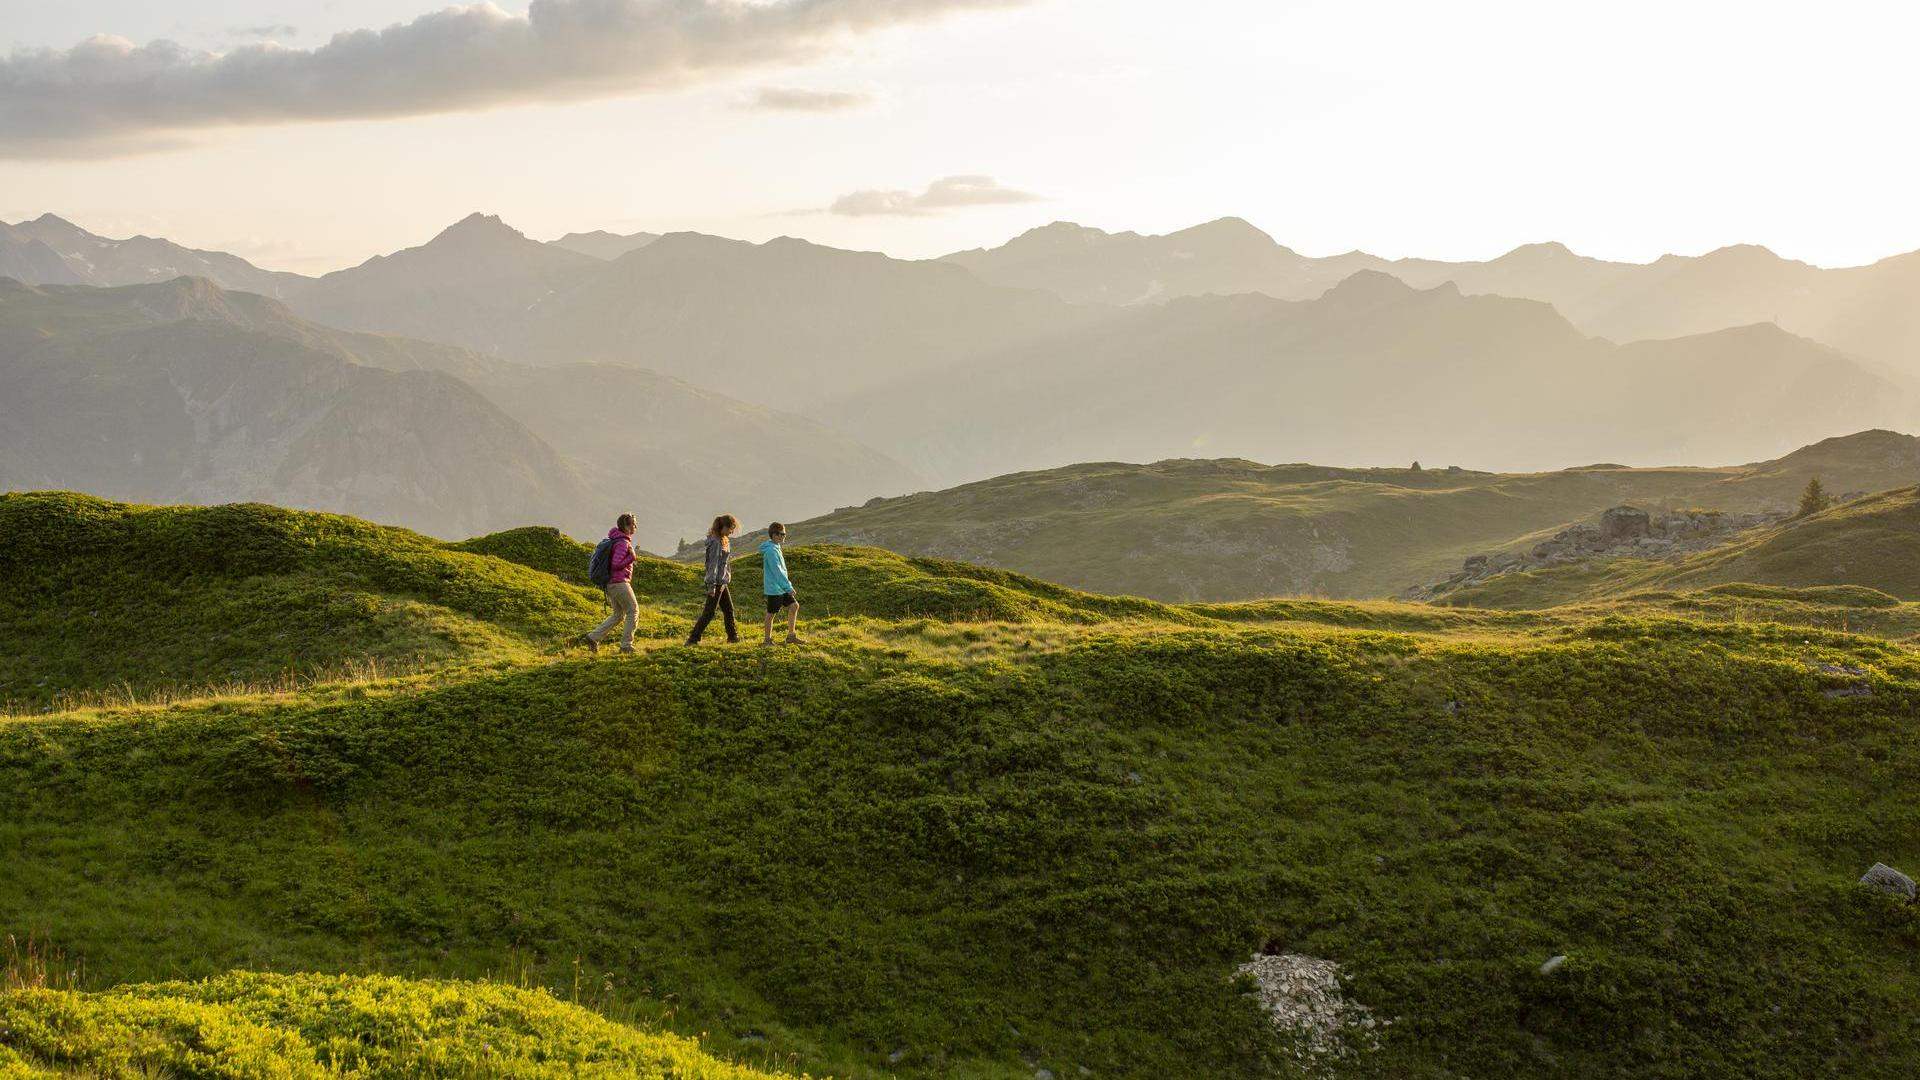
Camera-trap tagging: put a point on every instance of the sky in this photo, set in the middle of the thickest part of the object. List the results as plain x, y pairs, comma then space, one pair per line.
916, 127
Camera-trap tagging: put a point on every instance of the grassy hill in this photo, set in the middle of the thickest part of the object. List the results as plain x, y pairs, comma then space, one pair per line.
99, 597
1233, 530
1870, 547
981, 827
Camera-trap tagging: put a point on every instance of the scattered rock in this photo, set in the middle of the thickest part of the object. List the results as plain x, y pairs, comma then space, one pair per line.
1621, 531
1624, 523
1848, 691
1304, 996
1043, 1074
1553, 964
1890, 881
896, 1057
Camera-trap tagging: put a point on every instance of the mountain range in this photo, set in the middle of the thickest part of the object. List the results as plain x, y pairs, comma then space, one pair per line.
1373, 371
183, 391
684, 374
51, 250
1864, 310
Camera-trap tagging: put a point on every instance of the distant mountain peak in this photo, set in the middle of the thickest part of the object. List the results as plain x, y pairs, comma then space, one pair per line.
1545, 249
1058, 234
54, 229
482, 227
1368, 287
1226, 227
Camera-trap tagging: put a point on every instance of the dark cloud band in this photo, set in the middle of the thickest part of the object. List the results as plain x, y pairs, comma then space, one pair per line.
107, 92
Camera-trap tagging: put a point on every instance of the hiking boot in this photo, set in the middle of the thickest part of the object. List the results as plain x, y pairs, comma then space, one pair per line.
796, 639
592, 645
627, 649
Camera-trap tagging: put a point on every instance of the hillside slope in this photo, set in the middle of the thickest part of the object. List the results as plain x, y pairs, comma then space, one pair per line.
1871, 545
885, 854
1233, 530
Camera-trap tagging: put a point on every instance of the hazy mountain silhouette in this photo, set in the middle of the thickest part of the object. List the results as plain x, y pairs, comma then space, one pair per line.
602, 244
83, 258
784, 324
1866, 310
1373, 371
173, 392
470, 285
1091, 266
674, 453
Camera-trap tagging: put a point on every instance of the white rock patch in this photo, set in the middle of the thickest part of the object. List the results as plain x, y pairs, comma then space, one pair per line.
1304, 997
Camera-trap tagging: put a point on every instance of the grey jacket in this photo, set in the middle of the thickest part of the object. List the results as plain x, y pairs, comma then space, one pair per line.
719, 563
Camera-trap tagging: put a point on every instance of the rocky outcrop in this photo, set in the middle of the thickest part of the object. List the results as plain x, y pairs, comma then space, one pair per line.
1306, 998
1890, 881
1623, 531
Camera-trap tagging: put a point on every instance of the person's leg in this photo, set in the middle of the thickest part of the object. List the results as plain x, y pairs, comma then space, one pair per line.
706, 616
726, 611
767, 637
793, 621
612, 620
633, 616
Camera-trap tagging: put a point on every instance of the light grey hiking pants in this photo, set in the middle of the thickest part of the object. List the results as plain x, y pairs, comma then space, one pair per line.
620, 595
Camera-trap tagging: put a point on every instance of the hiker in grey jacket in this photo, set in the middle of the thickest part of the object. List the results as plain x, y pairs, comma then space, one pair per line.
718, 576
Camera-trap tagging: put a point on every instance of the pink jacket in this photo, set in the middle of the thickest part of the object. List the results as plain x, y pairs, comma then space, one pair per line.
622, 558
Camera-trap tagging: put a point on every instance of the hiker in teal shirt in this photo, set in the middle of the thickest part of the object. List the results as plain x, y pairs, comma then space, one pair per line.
776, 584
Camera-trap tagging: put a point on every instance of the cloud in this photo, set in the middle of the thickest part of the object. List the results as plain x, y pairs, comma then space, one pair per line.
270, 30
108, 91
949, 193
792, 99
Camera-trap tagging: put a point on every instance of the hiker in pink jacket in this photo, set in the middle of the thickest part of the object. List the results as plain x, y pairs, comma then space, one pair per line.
619, 587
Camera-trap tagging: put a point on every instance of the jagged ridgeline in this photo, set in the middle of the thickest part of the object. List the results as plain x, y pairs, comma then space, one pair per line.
980, 827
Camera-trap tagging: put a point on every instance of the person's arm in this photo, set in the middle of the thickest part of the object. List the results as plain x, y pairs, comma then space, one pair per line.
622, 554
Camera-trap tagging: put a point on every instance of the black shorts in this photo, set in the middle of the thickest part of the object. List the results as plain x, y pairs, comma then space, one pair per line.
775, 603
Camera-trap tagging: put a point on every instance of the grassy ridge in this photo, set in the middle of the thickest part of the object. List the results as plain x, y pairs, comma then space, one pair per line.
986, 825
1223, 530
96, 595
256, 1025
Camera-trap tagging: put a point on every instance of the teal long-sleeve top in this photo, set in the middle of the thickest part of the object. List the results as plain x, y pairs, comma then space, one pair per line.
773, 569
